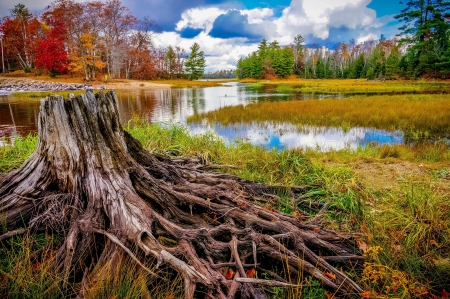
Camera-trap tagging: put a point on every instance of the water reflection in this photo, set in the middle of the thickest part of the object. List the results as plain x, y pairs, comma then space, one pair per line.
288, 136
20, 116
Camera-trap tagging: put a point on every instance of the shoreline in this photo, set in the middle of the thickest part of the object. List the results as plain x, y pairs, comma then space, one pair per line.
9, 85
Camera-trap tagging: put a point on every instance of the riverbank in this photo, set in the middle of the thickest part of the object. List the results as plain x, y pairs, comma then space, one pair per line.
21, 82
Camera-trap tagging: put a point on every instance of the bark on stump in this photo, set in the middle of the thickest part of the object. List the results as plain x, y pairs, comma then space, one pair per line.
89, 178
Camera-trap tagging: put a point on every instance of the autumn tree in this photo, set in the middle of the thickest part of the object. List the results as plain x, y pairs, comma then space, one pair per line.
22, 32
51, 54
195, 63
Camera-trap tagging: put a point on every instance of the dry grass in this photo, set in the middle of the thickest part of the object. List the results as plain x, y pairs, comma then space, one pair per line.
417, 115
185, 83
353, 85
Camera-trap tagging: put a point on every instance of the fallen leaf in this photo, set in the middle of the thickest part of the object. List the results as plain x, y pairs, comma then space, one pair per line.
433, 242
330, 275
316, 229
365, 295
35, 266
362, 245
251, 273
329, 295
229, 274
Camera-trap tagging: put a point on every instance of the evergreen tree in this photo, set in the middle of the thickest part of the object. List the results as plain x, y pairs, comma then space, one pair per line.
298, 54
283, 62
195, 63
424, 29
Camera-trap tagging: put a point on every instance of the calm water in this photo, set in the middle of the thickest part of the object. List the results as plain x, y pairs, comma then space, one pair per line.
19, 116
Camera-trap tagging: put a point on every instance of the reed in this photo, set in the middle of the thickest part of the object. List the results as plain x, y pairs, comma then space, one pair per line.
43, 94
353, 85
419, 116
185, 83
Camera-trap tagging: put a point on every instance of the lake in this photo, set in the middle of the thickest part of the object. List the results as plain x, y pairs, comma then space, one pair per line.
18, 116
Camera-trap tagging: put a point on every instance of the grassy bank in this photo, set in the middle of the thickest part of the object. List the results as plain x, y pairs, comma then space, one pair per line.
399, 207
419, 116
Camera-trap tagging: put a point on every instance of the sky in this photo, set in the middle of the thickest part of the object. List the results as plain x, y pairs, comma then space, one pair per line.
227, 30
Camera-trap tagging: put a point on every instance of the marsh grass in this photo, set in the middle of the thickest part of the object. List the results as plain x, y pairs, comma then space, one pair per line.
352, 85
406, 230
185, 83
419, 116
43, 94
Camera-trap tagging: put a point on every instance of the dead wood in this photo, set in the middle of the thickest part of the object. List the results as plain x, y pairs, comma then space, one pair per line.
89, 179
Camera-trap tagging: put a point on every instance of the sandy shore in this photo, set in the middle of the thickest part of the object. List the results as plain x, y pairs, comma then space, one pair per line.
132, 84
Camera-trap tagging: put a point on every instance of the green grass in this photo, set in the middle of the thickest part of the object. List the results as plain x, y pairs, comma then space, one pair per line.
43, 94
13, 156
404, 223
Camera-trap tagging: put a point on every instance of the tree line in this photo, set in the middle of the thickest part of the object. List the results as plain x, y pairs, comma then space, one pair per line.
422, 49
92, 39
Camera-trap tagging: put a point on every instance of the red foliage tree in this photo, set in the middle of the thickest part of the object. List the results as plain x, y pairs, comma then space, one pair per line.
51, 54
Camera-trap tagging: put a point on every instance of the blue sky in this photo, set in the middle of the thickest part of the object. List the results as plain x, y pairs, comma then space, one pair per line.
229, 29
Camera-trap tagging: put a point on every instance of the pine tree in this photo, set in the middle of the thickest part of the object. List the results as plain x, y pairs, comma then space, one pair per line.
195, 63
424, 28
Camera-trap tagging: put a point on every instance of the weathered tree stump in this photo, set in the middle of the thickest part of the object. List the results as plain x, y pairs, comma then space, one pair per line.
91, 181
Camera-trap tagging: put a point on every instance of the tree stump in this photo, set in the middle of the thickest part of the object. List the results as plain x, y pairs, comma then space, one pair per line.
89, 180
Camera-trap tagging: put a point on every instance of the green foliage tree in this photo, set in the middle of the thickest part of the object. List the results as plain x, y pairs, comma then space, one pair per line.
425, 30
195, 63
283, 62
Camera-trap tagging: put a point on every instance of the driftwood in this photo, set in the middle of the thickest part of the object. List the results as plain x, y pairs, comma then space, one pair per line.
92, 182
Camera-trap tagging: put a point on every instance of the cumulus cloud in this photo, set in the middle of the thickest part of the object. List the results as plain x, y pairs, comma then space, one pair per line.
235, 24
316, 18
199, 18
219, 53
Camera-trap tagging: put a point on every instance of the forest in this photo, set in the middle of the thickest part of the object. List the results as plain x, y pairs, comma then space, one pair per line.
87, 39
422, 49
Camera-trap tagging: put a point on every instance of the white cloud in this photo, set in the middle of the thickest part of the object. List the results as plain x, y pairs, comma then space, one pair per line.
364, 38
312, 17
199, 18
257, 15
219, 53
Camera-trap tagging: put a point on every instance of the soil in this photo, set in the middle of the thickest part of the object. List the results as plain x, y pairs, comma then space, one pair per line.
392, 175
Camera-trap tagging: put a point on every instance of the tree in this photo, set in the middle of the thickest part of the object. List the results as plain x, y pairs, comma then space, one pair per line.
298, 54
95, 185
422, 30
51, 54
22, 32
283, 62
195, 63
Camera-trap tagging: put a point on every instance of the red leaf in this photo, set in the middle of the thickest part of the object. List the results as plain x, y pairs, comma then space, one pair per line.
251, 273
330, 275
36, 265
229, 274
